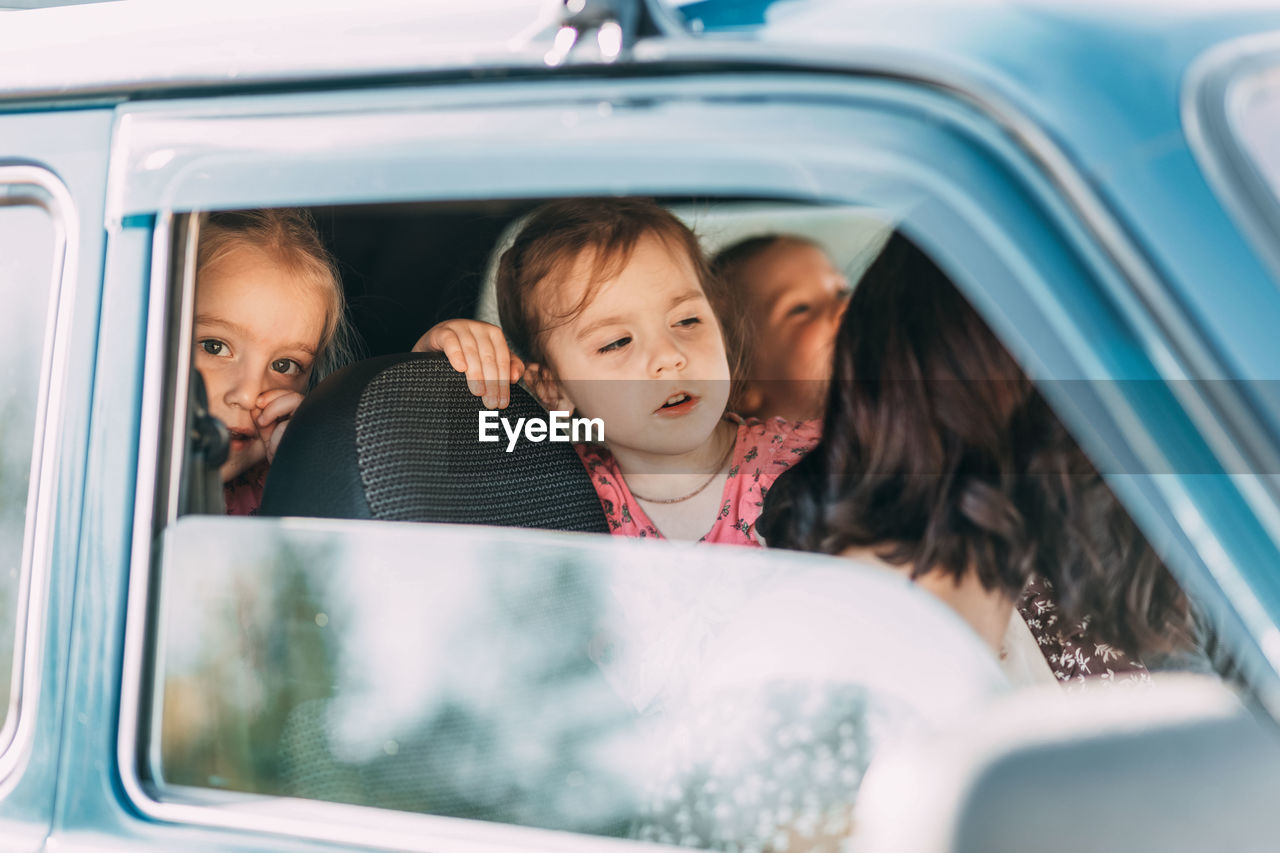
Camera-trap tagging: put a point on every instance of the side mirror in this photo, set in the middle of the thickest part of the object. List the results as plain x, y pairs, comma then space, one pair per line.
1181, 766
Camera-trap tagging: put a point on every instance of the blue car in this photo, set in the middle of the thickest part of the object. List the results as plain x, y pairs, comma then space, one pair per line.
1101, 181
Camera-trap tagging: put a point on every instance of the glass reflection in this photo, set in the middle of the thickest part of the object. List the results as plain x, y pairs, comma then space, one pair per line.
26, 272
629, 689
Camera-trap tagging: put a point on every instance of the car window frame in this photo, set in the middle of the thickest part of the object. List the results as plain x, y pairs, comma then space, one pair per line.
175, 204
31, 185
1209, 102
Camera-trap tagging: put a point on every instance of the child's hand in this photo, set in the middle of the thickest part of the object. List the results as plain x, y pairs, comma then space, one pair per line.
275, 407
480, 351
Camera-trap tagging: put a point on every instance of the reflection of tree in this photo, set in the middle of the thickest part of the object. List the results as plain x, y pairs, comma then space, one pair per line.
520, 732
26, 270
772, 766
521, 752
266, 655
16, 426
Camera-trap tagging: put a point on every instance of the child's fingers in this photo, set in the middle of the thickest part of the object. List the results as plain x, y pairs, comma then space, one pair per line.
449, 342
493, 378
276, 405
478, 350
502, 367
472, 365
273, 440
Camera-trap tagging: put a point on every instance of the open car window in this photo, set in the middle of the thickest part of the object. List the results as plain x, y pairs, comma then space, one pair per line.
634, 691
475, 683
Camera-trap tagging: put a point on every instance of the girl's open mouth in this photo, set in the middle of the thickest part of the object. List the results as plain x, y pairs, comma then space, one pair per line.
240, 439
678, 403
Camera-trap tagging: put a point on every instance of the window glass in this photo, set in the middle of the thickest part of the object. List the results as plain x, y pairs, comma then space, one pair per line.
561, 681
647, 691
27, 248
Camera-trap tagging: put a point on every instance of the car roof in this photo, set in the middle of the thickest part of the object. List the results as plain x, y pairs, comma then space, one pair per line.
121, 47
125, 47
1079, 67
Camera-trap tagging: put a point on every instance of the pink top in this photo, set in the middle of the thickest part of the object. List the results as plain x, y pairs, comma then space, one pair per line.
244, 493
762, 451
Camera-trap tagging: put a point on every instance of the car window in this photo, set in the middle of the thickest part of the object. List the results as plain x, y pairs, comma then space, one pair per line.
545, 680
549, 681
300, 671
28, 260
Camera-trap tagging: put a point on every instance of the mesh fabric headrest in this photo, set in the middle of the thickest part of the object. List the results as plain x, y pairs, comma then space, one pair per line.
396, 438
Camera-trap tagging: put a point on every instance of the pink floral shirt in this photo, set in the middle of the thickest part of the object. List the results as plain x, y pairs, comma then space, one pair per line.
762, 451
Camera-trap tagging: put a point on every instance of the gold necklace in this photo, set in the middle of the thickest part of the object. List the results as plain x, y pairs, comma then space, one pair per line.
723, 459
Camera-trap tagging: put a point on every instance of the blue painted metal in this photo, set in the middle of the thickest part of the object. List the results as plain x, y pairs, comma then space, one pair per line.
1105, 83
73, 145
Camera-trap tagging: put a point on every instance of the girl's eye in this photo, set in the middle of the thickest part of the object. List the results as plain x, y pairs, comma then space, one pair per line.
689, 321
615, 345
286, 366
213, 347
797, 310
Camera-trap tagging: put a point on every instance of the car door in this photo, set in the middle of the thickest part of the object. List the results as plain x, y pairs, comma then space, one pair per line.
1028, 257
52, 182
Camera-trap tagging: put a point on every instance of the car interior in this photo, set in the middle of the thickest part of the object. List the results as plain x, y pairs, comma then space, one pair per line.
405, 268
393, 437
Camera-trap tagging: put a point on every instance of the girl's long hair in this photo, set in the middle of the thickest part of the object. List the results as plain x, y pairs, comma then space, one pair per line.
940, 455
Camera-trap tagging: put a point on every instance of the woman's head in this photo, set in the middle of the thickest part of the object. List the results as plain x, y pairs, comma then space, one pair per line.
612, 304
269, 316
791, 297
940, 455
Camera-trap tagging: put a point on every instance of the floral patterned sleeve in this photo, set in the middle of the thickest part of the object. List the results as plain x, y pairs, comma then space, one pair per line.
615, 497
764, 450
1077, 656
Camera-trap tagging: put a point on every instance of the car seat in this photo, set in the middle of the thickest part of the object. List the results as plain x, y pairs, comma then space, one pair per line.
396, 438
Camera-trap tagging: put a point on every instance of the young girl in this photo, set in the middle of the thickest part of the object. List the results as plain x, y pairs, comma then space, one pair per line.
270, 322
613, 307
791, 297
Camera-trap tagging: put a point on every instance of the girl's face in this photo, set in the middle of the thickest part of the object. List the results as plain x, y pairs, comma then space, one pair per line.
257, 329
646, 355
796, 298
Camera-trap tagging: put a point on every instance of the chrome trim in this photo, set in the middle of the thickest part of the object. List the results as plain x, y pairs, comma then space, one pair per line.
1164, 330
369, 828
180, 351
1229, 170
52, 196
144, 526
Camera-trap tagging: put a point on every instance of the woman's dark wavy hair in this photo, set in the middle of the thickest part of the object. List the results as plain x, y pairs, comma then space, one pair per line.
940, 455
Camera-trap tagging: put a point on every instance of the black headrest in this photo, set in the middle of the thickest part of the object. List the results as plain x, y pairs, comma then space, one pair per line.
396, 438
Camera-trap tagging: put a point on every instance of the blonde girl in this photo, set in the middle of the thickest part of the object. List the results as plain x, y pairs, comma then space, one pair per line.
270, 322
